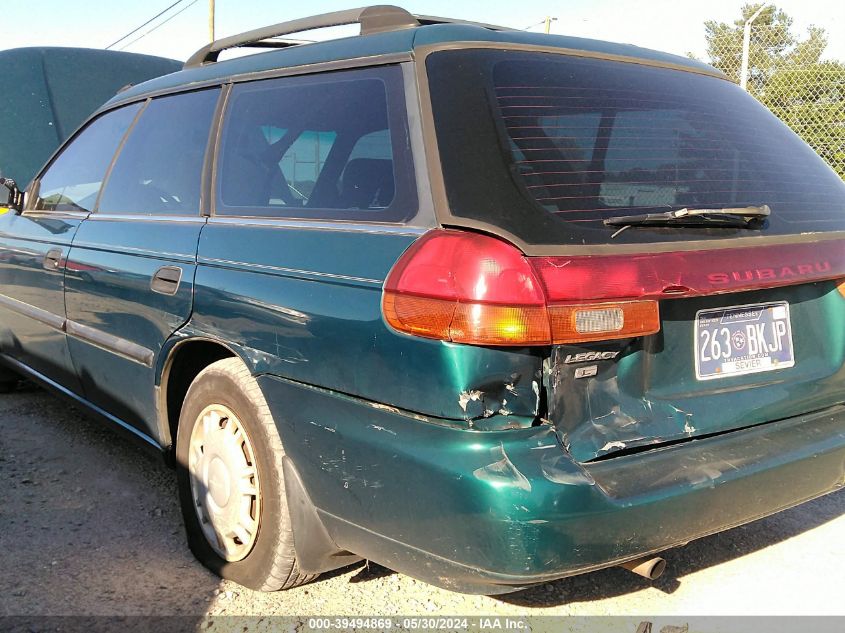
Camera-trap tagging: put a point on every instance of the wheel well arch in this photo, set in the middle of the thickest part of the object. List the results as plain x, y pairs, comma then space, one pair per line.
184, 363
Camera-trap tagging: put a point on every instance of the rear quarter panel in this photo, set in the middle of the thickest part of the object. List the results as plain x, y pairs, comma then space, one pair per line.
304, 303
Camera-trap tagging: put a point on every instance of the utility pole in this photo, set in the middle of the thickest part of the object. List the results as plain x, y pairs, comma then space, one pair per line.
746, 46
549, 20
210, 20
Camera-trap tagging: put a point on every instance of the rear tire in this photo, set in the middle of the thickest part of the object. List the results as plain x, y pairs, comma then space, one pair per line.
231, 482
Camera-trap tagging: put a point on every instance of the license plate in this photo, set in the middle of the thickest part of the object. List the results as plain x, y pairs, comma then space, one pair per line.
742, 340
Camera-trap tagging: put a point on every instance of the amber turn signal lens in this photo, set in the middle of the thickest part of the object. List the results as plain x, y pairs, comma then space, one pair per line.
484, 324
420, 316
473, 323
841, 287
603, 321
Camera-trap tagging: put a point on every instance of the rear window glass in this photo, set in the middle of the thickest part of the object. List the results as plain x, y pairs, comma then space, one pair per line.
332, 146
571, 141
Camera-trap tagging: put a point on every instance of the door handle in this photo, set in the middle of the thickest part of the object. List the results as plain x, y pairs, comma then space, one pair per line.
53, 259
166, 280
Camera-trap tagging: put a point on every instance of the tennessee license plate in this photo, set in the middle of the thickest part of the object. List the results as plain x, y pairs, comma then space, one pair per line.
742, 340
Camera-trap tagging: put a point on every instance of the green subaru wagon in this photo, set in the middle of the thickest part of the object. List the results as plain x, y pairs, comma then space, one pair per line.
489, 308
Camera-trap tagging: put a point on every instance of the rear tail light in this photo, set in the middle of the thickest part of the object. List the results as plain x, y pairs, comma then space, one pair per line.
471, 288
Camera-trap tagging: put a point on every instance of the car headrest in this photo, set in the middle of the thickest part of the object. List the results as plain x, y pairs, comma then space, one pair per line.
367, 183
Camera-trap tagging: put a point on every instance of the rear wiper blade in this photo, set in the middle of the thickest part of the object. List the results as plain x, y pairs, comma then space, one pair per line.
728, 217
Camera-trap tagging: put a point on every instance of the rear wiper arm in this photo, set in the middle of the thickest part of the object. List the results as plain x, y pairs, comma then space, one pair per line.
728, 217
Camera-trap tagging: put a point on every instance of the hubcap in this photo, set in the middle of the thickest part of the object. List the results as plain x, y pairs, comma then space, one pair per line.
224, 482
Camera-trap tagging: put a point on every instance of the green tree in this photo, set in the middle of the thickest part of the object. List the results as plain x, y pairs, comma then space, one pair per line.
787, 74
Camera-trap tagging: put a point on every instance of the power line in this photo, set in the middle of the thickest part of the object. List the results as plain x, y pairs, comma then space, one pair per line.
160, 24
547, 22
157, 15
531, 26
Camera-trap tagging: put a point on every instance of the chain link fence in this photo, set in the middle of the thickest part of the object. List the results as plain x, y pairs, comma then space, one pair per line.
793, 80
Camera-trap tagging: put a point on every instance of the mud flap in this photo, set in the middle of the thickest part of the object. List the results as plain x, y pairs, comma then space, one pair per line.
316, 552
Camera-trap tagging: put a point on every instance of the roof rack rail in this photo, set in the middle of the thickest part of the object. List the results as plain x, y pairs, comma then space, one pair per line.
373, 19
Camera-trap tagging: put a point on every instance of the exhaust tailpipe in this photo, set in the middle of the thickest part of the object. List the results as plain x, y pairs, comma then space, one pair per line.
649, 567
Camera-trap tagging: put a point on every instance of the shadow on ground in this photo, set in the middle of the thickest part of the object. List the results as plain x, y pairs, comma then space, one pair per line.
696, 556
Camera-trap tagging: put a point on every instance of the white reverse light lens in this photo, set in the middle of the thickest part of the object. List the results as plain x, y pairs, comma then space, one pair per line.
604, 320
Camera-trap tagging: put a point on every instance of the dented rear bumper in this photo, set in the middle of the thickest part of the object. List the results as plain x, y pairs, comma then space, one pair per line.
490, 512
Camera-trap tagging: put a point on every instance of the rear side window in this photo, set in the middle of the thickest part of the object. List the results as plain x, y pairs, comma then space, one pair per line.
72, 182
159, 168
571, 141
330, 146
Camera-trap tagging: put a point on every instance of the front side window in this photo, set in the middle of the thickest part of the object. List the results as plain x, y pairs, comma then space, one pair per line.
331, 146
72, 182
159, 169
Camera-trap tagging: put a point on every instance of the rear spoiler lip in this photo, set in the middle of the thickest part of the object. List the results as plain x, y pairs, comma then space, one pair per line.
689, 273
640, 248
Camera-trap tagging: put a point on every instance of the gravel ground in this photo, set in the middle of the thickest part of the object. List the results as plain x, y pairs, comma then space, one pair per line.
91, 526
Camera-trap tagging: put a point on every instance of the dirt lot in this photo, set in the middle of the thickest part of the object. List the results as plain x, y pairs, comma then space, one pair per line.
90, 525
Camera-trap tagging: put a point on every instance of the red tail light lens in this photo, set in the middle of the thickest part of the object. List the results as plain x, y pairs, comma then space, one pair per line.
466, 288
471, 288
447, 264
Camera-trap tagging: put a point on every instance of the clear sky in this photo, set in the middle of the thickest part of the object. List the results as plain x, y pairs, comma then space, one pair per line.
674, 26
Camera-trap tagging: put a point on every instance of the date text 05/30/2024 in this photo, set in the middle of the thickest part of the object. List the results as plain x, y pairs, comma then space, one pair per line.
419, 624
